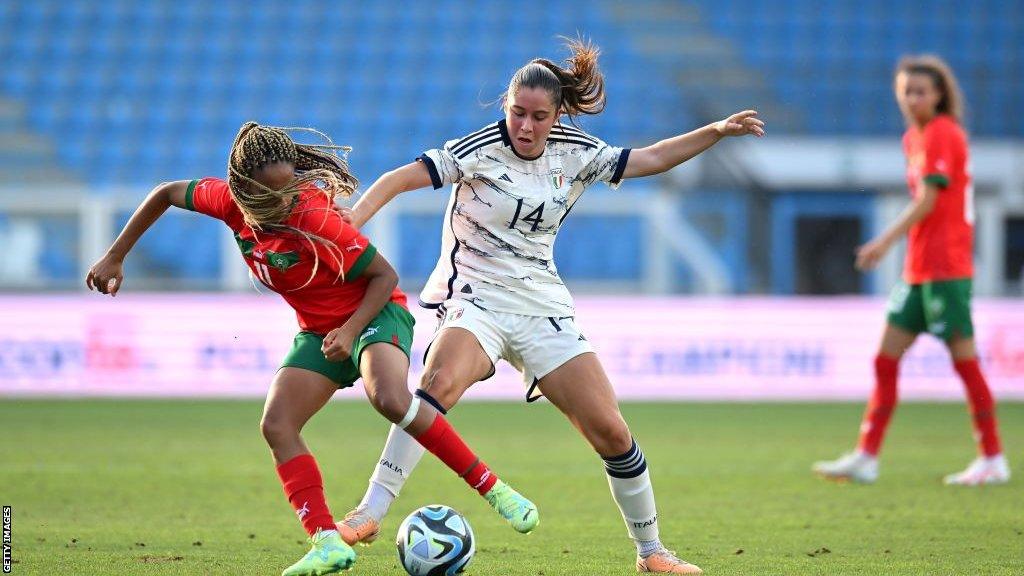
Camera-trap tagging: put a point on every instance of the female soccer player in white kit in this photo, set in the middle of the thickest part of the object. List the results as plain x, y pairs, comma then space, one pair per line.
496, 288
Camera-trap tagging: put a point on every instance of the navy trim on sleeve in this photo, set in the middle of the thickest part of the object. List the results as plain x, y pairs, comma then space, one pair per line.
435, 178
620, 168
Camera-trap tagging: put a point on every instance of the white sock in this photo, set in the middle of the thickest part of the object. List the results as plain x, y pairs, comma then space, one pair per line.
647, 547
998, 459
400, 456
630, 483
377, 501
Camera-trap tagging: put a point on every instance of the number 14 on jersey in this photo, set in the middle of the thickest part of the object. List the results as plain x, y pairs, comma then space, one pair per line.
535, 217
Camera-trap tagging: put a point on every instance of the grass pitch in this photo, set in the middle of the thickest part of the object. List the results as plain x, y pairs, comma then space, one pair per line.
185, 487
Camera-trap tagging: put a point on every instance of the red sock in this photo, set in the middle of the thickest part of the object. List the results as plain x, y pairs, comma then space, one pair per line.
983, 407
304, 488
444, 442
881, 405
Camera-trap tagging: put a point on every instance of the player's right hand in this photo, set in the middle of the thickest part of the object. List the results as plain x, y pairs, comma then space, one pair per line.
106, 275
870, 254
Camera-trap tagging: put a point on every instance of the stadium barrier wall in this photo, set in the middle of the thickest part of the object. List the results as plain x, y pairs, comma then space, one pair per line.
220, 345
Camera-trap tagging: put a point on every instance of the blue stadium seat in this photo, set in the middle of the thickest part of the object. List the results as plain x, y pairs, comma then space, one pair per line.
795, 42
136, 92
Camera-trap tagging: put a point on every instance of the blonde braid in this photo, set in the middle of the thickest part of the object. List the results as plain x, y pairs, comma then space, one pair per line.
265, 209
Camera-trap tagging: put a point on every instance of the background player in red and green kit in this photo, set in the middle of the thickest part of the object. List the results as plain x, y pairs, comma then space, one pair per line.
279, 203
935, 294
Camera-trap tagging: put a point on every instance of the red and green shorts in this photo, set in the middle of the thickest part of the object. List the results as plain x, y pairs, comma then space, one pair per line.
942, 308
393, 325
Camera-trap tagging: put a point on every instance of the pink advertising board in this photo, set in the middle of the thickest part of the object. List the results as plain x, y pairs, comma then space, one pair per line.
652, 348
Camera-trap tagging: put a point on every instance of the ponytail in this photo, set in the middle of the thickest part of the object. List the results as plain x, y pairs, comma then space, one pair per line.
576, 89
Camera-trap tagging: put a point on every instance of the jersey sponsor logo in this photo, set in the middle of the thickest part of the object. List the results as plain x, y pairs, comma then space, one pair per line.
370, 331
506, 178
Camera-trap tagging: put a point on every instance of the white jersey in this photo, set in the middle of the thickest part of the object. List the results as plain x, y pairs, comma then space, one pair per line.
499, 230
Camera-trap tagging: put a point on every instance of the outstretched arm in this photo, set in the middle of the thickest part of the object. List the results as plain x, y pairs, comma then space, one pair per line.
669, 153
869, 254
107, 273
412, 176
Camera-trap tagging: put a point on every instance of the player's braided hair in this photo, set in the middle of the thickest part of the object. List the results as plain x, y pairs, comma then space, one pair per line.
952, 100
265, 209
256, 146
576, 89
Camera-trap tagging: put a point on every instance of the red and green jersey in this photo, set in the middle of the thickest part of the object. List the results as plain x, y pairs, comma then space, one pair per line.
939, 246
285, 262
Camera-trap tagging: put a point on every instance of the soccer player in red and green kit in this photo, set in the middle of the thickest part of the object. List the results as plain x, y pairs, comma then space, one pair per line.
935, 294
278, 201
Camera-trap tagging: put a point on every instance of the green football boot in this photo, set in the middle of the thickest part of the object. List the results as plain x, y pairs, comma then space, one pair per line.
328, 555
520, 512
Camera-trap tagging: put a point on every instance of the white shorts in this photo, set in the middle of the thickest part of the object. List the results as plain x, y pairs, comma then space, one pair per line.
534, 345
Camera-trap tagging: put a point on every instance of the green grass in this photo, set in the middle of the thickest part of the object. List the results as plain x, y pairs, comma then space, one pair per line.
182, 487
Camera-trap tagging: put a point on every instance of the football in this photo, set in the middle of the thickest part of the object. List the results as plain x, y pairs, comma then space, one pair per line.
435, 541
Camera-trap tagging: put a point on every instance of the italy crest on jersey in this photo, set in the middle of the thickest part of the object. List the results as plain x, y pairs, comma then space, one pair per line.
557, 179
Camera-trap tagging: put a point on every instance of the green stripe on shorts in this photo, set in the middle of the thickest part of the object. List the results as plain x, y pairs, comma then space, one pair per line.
941, 308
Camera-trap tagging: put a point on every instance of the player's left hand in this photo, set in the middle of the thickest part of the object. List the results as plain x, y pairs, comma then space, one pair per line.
741, 124
870, 254
337, 345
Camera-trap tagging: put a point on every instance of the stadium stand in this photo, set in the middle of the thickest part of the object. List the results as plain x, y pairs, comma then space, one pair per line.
124, 94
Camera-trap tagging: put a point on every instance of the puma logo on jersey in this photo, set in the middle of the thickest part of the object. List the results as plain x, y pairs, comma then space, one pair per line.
354, 246
506, 178
369, 332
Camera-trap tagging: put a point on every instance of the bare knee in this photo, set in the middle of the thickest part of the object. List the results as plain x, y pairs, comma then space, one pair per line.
391, 404
440, 384
609, 436
277, 430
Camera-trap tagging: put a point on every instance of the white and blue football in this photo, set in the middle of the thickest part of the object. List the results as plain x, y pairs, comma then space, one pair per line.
435, 541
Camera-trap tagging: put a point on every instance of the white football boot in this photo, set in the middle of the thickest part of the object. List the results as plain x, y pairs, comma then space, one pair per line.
982, 470
856, 466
